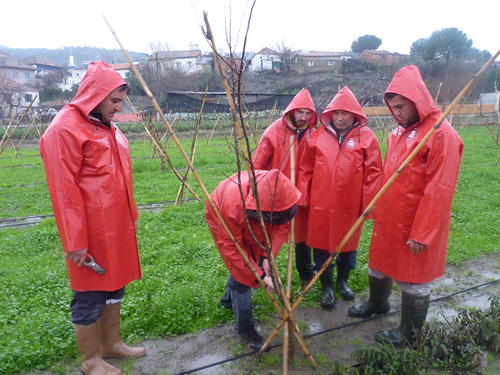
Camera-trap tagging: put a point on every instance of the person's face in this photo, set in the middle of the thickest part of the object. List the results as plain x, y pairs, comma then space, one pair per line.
111, 104
404, 109
301, 116
343, 119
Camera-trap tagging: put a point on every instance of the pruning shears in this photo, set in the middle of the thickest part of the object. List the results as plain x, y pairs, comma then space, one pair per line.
90, 262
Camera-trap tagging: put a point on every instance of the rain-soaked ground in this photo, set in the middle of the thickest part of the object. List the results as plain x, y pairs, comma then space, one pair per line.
329, 336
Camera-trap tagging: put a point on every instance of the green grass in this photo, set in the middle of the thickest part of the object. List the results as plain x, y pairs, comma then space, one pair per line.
183, 275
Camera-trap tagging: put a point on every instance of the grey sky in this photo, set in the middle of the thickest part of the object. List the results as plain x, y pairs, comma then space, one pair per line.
308, 25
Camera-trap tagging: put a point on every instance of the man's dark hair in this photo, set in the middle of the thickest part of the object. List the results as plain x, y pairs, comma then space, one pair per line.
124, 87
389, 95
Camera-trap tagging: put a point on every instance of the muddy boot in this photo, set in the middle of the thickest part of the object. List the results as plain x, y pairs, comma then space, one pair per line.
413, 314
342, 277
378, 303
109, 335
328, 299
303, 262
87, 341
252, 338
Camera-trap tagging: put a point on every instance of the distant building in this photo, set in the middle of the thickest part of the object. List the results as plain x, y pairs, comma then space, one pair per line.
16, 97
186, 61
266, 58
123, 69
42, 65
378, 57
17, 71
314, 61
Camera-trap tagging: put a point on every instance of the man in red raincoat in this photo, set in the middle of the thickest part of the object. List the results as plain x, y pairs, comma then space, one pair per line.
412, 221
89, 177
278, 203
273, 151
340, 172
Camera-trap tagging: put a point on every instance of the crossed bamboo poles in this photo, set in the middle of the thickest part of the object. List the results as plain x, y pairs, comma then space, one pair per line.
287, 314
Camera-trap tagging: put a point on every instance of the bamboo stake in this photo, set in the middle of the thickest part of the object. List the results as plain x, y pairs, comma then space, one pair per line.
193, 144
154, 138
286, 338
20, 120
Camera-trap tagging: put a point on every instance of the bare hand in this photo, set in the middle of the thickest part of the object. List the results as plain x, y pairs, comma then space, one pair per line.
78, 256
269, 284
416, 247
265, 266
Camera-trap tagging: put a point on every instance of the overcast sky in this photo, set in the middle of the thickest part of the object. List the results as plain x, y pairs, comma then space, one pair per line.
308, 25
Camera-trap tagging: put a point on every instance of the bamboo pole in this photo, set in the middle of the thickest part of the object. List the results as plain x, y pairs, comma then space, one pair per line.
194, 142
19, 122
152, 135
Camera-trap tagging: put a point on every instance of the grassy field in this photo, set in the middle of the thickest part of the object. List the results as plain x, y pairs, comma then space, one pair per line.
183, 275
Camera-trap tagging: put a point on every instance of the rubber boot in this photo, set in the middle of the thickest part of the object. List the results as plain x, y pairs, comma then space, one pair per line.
378, 303
328, 299
303, 262
109, 335
342, 277
87, 341
413, 313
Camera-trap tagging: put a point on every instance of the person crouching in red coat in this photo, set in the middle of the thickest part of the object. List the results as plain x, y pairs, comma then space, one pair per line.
278, 198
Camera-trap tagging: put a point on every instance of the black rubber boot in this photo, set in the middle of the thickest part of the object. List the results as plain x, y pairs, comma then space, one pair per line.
378, 303
328, 299
303, 262
413, 313
252, 338
342, 277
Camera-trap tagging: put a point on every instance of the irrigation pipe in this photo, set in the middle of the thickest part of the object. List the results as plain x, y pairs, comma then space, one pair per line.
337, 328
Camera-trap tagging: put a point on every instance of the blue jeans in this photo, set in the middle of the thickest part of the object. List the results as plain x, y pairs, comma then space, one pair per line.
238, 296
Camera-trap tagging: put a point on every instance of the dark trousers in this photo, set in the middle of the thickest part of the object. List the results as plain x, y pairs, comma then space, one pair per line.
87, 307
238, 296
306, 268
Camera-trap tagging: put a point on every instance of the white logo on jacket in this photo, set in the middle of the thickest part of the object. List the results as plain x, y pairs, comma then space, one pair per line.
350, 143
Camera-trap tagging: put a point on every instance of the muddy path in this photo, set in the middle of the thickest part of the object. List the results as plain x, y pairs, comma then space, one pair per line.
329, 336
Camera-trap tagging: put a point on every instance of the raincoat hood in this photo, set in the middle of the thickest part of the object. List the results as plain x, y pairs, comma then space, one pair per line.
99, 81
343, 101
408, 82
276, 192
302, 100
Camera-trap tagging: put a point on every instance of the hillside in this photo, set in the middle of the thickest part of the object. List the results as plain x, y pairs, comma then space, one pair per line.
80, 54
365, 82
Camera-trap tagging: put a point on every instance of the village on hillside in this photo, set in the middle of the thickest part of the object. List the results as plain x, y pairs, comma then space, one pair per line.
23, 81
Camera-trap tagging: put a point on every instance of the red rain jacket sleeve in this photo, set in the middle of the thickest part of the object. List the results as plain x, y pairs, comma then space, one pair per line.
440, 181
63, 164
373, 171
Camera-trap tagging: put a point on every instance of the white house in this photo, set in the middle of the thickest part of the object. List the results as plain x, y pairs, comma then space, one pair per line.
264, 59
17, 71
186, 61
16, 97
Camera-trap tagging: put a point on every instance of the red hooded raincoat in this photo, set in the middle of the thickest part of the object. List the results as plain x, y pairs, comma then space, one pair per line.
273, 150
227, 199
417, 205
89, 177
338, 180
